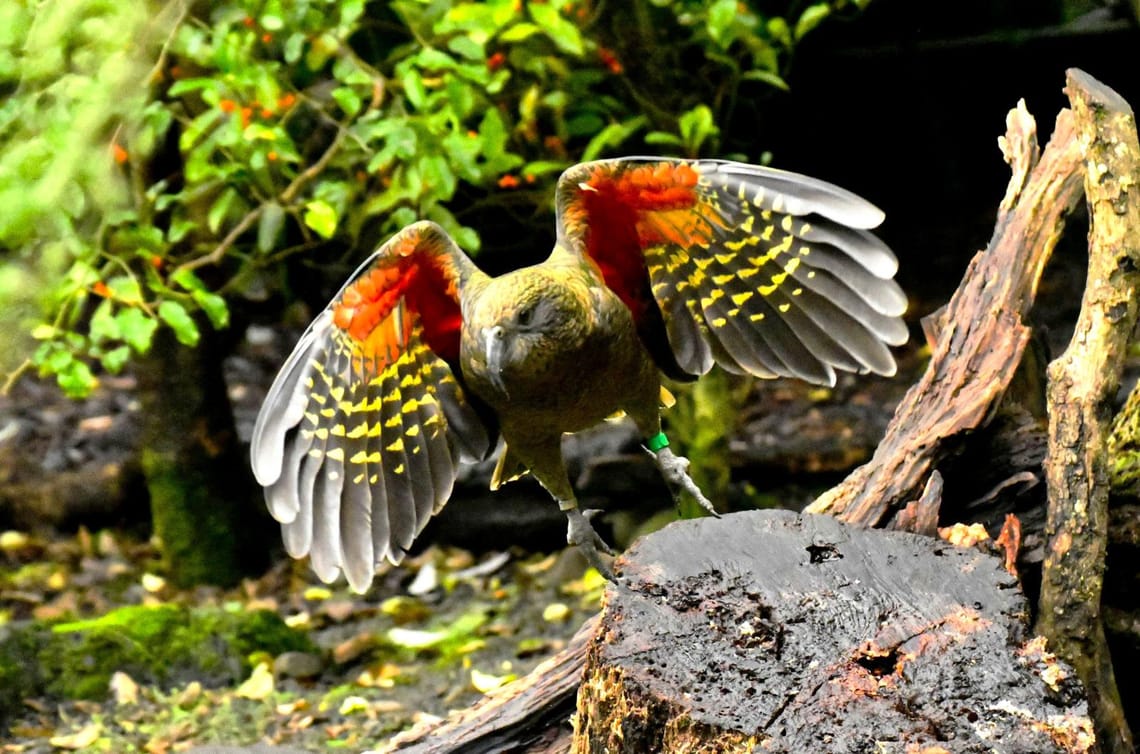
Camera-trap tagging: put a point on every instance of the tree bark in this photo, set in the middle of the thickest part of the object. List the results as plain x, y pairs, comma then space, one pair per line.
1082, 385
200, 493
825, 638
983, 332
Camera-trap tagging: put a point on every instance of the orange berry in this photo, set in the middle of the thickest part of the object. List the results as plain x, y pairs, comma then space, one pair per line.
156, 261
609, 60
119, 154
266, 112
100, 289
227, 105
271, 156
246, 115
266, 38
496, 61
286, 100
508, 181
248, 22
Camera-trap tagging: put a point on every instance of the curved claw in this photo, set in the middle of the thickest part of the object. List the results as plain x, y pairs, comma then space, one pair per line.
581, 534
675, 469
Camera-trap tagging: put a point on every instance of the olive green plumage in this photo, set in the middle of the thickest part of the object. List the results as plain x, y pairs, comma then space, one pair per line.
422, 362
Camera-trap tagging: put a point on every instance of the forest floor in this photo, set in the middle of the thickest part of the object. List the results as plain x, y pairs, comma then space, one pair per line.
432, 635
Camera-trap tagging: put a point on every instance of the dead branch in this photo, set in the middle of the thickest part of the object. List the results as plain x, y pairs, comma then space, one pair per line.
1082, 384
983, 333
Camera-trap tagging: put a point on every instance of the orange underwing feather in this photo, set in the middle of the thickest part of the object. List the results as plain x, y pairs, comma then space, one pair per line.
763, 271
360, 436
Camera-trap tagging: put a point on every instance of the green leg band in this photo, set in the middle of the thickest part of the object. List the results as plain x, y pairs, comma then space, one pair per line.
657, 442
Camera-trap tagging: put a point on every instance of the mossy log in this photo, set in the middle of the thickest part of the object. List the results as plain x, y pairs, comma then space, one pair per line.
772, 631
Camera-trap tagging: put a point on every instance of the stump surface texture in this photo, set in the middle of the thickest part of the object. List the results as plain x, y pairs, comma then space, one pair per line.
774, 631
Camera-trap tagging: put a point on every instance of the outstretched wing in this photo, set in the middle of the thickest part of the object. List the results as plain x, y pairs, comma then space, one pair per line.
763, 271
360, 435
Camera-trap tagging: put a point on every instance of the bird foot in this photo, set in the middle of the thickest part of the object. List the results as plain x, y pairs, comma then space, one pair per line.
675, 469
580, 533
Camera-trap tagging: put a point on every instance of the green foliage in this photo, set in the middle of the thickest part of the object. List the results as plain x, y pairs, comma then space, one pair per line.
160, 644
160, 171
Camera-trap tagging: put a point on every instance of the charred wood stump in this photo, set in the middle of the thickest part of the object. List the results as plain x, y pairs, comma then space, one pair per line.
774, 631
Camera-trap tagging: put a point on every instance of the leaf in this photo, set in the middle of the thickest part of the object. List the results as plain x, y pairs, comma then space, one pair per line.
115, 359
353, 704
518, 32
215, 307
611, 136
348, 100
767, 77
259, 685
77, 381
721, 18
466, 47
103, 325
294, 47
411, 638
137, 328
269, 226
124, 689
80, 739
564, 34
662, 137
539, 168
321, 217
220, 209
175, 315
485, 682
125, 288
414, 88
811, 17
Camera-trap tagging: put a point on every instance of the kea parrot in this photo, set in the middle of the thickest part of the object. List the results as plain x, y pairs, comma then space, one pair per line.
661, 267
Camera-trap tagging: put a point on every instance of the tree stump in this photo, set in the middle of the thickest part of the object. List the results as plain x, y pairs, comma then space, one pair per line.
773, 631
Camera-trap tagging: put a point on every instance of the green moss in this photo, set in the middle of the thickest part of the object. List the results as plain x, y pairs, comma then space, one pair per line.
166, 645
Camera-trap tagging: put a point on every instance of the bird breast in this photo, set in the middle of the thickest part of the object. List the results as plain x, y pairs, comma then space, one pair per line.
559, 349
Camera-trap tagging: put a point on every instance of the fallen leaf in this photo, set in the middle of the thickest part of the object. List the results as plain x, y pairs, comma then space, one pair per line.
153, 583
353, 704
259, 685
353, 647
80, 739
555, 612
412, 638
484, 682
124, 689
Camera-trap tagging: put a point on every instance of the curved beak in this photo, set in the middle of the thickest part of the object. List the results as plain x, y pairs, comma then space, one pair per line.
495, 345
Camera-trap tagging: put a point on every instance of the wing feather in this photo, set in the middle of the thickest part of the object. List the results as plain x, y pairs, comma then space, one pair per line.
361, 434
762, 271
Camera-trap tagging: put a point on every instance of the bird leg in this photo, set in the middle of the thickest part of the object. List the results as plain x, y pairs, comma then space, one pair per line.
675, 469
580, 533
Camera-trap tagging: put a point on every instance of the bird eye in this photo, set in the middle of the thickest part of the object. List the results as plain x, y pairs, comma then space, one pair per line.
526, 316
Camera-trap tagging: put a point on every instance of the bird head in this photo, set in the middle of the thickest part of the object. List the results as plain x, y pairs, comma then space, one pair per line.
519, 327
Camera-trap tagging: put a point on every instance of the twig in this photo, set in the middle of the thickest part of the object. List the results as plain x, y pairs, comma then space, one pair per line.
285, 197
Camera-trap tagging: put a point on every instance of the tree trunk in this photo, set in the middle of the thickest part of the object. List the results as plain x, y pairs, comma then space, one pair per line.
200, 493
825, 638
